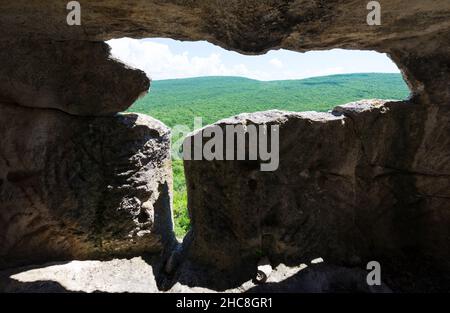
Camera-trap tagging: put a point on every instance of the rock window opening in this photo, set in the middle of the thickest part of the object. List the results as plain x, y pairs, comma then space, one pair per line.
197, 80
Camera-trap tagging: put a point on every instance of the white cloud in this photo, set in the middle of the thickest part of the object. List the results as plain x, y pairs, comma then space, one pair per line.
276, 62
159, 62
166, 59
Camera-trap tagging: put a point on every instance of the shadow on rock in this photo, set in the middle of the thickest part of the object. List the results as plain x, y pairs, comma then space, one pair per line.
323, 278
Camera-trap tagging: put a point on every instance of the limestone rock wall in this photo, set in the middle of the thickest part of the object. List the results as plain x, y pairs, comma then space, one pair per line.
82, 187
78, 180
365, 182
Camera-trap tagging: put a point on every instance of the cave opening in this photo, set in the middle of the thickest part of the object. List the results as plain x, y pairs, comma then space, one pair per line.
195, 84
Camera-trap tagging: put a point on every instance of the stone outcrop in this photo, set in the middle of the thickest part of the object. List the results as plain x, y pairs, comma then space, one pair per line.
75, 77
353, 185
251, 26
78, 187
366, 181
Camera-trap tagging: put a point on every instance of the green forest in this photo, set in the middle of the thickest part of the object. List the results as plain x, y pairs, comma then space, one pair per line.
178, 101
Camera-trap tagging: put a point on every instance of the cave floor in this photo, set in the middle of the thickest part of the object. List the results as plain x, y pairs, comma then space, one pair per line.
140, 275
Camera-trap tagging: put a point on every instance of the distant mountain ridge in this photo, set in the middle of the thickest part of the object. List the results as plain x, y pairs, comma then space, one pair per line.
178, 101
230, 78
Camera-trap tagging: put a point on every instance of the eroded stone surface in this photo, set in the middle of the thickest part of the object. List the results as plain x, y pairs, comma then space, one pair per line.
76, 77
352, 186
73, 187
245, 25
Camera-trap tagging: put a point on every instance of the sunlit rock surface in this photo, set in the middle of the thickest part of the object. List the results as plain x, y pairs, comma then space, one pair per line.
77, 77
353, 185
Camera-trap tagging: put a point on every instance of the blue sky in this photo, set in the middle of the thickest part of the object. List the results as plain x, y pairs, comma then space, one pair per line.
166, 59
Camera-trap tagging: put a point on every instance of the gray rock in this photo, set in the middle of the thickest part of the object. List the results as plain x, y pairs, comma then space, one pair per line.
76, 77
74, 187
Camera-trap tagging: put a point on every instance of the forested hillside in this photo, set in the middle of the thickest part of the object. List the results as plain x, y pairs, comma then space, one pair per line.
178, 101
